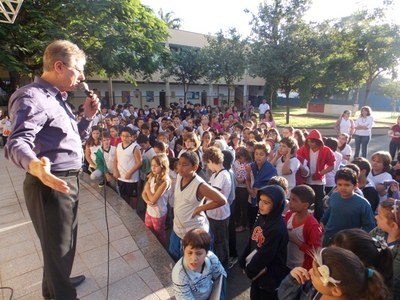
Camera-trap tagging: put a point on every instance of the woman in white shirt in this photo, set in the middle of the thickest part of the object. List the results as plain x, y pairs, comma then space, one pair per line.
344, 124
363, 129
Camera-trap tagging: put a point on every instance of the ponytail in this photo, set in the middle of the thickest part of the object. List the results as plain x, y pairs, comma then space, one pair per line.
376, 288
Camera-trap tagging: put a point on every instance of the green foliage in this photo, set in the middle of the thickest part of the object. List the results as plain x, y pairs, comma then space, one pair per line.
391, 89
282, 47
119, 37
186, 66
225, 57
355, 50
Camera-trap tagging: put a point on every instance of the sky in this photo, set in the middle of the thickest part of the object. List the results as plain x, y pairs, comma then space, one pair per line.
211, 16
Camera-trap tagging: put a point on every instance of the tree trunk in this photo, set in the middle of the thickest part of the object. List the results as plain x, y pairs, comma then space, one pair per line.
367, 90
229, 96
287, 108
111, 99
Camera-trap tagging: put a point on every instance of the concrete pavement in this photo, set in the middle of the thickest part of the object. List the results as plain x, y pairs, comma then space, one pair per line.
140, 268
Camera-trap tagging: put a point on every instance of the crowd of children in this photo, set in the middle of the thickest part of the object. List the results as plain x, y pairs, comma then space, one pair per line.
214, 175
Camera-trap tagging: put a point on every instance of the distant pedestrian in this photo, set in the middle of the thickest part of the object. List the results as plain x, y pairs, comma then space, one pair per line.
363, 131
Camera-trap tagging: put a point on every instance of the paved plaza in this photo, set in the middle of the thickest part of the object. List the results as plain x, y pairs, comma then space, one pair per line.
140, 268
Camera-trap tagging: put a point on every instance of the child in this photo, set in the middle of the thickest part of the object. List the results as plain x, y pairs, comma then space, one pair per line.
189, 213
344, 148
219, 217
104, 162
364, 184
115, 139
243, 158
127, 163
194, 274
372, 252
320, 160
336, 273
155, 194
303, 229
148, 153
388, 229
346, 209
380, 167
258, 174
191, 143
264, 258
92, 145
332, 144
285, 160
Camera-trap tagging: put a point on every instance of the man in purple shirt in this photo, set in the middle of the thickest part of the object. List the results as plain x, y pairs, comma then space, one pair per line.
46, 142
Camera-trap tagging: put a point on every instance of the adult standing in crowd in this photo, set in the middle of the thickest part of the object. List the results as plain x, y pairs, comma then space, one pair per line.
363, 129
394, 134
46, 142
345, 124
262, 108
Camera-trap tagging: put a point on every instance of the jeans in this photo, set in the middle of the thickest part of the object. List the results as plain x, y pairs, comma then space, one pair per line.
363, 141
394, 146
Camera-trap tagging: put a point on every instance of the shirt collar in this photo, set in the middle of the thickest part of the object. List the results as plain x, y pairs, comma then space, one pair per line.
51, 89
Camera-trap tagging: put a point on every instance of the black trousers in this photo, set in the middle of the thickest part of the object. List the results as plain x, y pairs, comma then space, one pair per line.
54, 217
319, 191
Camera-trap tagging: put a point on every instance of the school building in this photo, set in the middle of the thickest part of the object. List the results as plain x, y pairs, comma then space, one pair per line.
158, 91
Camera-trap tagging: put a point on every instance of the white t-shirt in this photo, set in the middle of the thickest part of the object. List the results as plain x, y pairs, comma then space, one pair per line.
313, 168
344, 126
346, 151
294, 166
380, 178
185, 203
126, 161
160, 209
109, 158
263, 108
221, 181
295, 257
330, 176
368, 121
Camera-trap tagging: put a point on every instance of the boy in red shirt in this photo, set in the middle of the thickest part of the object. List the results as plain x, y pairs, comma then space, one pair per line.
303, 229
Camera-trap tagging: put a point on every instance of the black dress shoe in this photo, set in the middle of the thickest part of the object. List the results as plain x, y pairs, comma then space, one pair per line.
77, 280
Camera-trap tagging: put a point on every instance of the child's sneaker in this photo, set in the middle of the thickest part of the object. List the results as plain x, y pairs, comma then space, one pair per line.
101, 183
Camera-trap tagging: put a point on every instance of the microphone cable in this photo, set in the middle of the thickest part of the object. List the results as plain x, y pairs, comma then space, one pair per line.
105, 204
83, 86
8, 288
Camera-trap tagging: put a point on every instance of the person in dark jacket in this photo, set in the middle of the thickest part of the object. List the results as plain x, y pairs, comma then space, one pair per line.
264, 258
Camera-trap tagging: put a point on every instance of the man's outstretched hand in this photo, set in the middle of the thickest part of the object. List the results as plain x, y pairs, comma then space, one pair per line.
41, 169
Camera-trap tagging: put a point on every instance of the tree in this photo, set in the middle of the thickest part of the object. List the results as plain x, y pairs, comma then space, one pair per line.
121, 38
336, 71
375, 45
173, 23
391, 89
186, 66
281, 52
225, 57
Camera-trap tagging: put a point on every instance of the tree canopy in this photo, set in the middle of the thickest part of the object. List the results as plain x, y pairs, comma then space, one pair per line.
120, 38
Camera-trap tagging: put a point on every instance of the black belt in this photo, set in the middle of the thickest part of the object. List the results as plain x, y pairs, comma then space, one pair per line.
68, 173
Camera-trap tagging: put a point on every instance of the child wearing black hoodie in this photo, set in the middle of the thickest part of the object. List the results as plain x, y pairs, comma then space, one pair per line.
264, 258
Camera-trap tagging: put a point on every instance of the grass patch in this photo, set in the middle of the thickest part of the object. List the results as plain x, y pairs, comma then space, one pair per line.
300, 119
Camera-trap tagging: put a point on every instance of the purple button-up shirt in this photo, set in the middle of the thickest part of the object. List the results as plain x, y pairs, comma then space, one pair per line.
43, 124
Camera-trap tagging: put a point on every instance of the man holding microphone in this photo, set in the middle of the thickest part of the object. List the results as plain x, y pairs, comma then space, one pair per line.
46, 142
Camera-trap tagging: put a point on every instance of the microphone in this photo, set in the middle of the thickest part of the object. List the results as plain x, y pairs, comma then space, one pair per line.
84, 87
